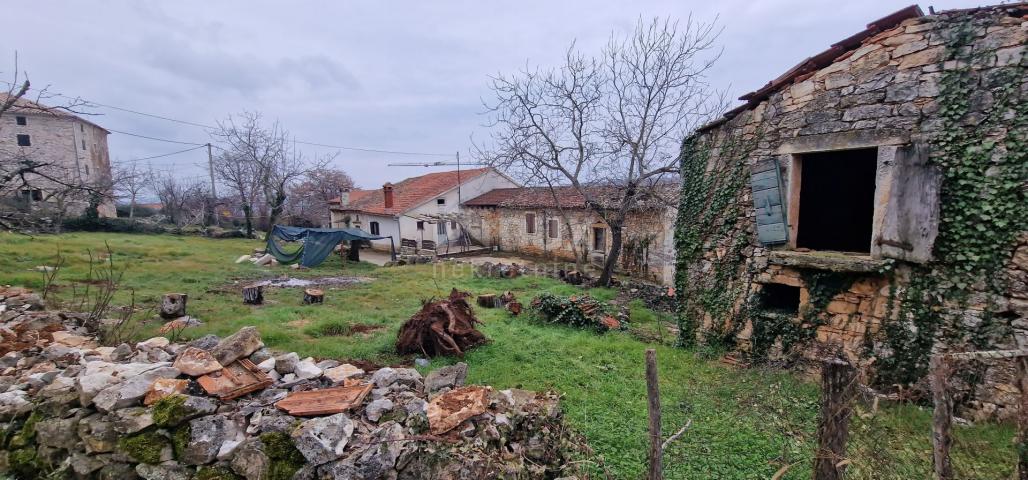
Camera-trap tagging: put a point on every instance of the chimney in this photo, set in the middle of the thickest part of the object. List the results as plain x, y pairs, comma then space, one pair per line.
344, 198
387, 193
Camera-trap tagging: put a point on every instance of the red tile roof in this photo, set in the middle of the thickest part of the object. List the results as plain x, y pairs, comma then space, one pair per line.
406, 194
528, 197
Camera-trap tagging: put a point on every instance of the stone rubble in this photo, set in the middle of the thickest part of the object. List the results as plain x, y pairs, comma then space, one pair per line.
72, 407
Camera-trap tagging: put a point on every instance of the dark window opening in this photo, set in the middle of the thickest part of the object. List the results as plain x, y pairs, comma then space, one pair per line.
82, 127
836, 202
421, 225
24, 141
20, 120
552, 228
453, 225
529, 223
374, 228
440, 201
83, 144
33, 195
599, 238
87, 169
440, 228
781, 298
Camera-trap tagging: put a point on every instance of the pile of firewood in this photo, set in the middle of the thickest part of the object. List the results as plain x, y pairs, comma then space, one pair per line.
576, 310
444, 327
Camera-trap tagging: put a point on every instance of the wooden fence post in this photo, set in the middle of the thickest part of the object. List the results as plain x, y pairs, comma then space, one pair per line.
1022, 418
838, 387
942, 416
656, 454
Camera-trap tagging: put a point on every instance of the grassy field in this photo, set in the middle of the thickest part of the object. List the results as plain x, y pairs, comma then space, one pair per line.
745, 423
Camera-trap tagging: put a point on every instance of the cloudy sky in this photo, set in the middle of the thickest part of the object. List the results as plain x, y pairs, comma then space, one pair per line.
400, 75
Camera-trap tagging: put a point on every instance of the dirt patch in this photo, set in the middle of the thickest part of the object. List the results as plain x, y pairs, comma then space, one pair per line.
316, 281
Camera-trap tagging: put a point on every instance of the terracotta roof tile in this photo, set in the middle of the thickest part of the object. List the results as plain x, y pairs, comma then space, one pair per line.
407, 194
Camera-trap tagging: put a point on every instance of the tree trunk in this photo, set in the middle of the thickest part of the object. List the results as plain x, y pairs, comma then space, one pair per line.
838, 386
276, 211
354, 253
612, 257
248, 216
132, 207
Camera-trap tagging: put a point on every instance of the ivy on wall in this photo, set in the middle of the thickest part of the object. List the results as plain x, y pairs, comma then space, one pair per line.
981, 150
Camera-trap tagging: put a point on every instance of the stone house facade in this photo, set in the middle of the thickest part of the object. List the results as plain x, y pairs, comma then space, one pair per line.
75, 148
424, 208
848, 170
531, 221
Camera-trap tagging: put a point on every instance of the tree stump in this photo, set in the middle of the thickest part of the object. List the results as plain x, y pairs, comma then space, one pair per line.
487, 300
253, 294
173, 305
514, 308
312, 296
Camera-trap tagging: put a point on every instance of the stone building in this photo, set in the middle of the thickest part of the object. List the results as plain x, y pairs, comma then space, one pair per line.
880, 208
75, 150
532, 221
424, 208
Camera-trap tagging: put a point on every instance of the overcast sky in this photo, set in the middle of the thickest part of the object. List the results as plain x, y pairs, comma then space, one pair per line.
405, 76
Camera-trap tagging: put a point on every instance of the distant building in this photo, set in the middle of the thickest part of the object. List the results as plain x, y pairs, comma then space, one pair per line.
75, 148
418, 208
532, 221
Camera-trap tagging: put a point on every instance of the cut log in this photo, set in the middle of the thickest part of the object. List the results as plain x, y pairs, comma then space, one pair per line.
173, 305
253, 294
487, 300
312, 296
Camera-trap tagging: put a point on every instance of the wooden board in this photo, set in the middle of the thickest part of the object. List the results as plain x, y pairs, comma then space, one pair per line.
325, 401
235, 380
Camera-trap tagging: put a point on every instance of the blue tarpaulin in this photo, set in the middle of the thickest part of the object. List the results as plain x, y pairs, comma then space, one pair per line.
317, 243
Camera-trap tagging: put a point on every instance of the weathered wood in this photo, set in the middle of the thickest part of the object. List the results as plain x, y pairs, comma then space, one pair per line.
487, 300
942, 417
1022, 419
909, 221
313, 295
253, 294
656, 453
173, 305
838, 387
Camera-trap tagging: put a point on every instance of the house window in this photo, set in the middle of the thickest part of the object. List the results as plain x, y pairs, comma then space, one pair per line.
440, 201
553, 228
836, 199
440, 228
83, 144
33, 195
374, 228
24, 141
20, 120
421, 225
599, 239
82, 127
529, 223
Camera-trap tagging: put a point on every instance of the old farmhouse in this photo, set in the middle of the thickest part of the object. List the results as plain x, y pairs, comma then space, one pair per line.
873, 204
418, 208
558, 224
73, 149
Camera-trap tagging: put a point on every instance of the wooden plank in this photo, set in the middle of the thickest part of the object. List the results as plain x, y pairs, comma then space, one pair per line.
772, 216
325, 401
764, 180
771, 234
235, 380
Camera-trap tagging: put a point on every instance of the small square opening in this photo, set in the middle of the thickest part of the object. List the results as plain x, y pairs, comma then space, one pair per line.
780, 298
836, 201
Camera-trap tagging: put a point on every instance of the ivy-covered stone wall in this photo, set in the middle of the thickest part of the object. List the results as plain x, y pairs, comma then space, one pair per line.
951, 84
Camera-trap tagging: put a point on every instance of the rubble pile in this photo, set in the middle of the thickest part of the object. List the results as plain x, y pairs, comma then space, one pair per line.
499, 270
228, 408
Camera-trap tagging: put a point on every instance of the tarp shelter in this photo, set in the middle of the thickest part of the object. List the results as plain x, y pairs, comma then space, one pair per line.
317, 243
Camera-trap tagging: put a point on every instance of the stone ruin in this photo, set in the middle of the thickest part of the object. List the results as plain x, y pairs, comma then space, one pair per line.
228, 408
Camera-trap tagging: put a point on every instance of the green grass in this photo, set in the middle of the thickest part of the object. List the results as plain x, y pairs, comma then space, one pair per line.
745, 423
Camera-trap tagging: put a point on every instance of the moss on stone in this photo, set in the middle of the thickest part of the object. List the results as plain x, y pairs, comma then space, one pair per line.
285, 458
24, 463
145, 447
169, 410
180, 440
27, 434
215, 473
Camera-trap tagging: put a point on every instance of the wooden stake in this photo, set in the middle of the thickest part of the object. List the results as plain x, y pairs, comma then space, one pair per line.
656, 454
253, 294
1022, 419
838, 387
942, 416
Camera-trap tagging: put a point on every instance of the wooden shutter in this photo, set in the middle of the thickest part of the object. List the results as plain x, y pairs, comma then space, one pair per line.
529, 223
766, 182
910, 222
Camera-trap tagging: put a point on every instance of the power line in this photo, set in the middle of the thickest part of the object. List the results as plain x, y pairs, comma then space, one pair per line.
375, 150
151, 115
156, 138
162, 155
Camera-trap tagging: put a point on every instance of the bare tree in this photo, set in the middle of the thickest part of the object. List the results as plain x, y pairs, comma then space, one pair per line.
608, 126
280, 174
129, 182
309, 198
183, 201
248, 146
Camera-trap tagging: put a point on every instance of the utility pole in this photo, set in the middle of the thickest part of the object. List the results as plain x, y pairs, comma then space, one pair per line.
458, 178
214, 195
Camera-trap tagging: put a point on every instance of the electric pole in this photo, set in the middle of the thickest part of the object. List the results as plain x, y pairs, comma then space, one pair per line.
214, 195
